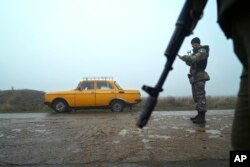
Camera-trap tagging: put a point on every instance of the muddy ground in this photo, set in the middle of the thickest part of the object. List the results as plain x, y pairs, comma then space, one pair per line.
112, 139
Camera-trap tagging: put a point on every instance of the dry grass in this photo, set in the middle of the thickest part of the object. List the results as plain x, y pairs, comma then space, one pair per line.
32, 100
186, 103
21, 100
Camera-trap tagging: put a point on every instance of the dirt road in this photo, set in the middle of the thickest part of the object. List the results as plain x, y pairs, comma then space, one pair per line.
112, 139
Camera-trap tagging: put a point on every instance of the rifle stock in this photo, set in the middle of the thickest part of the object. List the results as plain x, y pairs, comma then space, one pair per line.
186, 22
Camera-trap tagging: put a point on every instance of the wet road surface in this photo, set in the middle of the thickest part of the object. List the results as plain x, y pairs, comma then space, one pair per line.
112, 139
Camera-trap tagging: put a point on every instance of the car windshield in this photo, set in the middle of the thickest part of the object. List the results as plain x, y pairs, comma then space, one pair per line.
118, 86
78, 86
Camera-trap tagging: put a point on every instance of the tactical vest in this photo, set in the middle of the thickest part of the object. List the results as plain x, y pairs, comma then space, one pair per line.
201, 65
197, 70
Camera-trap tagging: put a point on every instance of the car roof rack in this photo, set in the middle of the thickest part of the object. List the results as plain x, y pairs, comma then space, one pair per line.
97, 78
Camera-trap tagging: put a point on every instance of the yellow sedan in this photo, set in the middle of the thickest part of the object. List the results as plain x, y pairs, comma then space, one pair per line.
93, 93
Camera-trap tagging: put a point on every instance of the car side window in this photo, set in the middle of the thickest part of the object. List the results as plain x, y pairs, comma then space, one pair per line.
87, 86
103, 85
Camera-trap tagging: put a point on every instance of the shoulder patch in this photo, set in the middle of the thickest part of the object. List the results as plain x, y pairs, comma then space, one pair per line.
202, 50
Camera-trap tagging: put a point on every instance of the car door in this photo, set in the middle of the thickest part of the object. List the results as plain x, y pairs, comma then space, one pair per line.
105, 92
85, 95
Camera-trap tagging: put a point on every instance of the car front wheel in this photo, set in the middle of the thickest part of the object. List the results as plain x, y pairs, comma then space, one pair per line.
117, 106
60, 106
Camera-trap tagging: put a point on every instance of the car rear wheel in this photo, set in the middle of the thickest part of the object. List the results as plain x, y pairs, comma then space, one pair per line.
60, 106
117, 106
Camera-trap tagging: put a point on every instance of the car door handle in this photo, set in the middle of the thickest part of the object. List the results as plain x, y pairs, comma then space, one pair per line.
121, 91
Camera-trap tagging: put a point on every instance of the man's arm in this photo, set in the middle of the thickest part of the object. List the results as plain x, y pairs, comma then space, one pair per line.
200, 55
185, 58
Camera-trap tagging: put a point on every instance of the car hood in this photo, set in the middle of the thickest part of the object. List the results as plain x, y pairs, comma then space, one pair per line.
68, 92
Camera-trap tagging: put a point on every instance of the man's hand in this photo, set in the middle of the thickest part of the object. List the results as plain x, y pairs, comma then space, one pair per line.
184, 58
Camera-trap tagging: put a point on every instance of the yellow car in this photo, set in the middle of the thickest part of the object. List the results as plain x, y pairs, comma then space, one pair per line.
93, 93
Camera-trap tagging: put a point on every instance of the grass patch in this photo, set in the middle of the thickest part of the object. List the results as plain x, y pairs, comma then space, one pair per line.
187, 103
32, 101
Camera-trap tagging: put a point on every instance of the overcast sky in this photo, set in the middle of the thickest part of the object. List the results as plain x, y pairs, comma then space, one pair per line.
50, 45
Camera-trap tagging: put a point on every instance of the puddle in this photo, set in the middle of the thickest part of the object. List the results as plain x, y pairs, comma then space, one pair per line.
116, 142
77, 150
213, 133
175, 127
43, 131
225, 127
123, 132
159, 137
10, 137
16, 130
146, 143
145, 140
146, 128
133, 131
40, 125
1, 135
190, 130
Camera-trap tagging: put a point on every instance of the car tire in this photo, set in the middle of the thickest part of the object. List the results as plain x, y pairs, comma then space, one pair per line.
117, 106
60, 106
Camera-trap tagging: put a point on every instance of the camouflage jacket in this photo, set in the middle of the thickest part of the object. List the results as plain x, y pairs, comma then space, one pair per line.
198, 63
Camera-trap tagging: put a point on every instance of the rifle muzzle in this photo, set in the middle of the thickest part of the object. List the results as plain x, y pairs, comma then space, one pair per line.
146, 112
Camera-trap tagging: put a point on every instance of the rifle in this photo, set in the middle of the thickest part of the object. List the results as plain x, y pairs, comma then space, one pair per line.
190, 14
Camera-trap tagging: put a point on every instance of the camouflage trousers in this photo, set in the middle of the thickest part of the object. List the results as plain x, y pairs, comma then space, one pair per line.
199, 96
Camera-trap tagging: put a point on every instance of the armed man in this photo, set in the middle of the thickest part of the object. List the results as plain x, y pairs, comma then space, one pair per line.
233, 18
198, 77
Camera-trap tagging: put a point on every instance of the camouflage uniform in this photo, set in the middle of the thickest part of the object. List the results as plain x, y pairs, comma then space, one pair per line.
198, 76
233, 17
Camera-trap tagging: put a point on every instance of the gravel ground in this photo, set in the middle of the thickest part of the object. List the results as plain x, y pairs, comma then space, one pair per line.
112, 139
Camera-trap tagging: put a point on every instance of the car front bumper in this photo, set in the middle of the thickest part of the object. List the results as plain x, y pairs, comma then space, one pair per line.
137, 101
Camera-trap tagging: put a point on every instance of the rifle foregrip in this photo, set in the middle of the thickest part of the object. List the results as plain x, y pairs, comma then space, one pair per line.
146, 112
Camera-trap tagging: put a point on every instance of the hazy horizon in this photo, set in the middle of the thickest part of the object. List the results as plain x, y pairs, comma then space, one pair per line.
49, 45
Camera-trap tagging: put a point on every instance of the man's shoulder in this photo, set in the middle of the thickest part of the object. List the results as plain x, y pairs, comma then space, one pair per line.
204, 49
